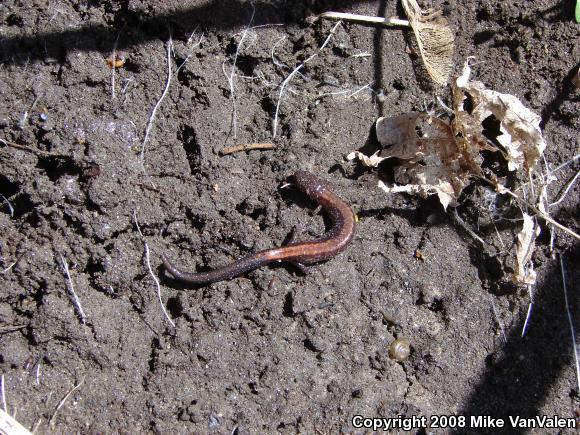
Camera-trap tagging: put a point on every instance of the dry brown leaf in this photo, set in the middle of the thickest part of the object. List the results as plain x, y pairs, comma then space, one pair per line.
520, 137
433, 164
434, 38
439, 158
525, 273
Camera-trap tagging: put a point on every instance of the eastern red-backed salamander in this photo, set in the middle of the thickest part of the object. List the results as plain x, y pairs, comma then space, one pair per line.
300, 253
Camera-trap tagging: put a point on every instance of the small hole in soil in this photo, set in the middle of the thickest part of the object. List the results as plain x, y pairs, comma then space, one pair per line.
7, 188
56, 167
187, 136
483, 36
195, 220
175, 307
288, 305
14, 20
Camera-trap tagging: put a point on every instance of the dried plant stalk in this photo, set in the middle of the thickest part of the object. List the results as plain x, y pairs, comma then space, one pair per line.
434, 38
9, 426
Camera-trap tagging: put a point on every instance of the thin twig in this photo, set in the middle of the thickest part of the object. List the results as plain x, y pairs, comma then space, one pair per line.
546, 179
542, 214
498, 235
163, 94
247, 147
568, 187
357, 55
365, 19
570, 321
503, 189
71, 289
148, 263
459, 221
32, 150
294, 72
233, 74
63, 400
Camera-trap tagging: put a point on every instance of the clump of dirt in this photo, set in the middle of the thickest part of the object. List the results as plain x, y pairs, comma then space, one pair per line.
271, 351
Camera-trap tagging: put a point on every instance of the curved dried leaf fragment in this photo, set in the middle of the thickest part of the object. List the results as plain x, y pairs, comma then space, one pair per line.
521, 137
434, 39
525, 273
432, 163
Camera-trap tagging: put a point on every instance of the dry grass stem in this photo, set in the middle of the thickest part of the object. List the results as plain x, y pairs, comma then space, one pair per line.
10, 208
566, 190
71, 289
63, 400
537, 211
569, 162
163, 94
11, 265
150, 269
247, 147
294, 72
113, 65
232, 76
37, 372
529, 313
3, 393
275, 61
365, 19
9, 425
457, 219
157, 285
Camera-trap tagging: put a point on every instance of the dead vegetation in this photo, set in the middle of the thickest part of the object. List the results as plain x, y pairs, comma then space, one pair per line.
439, 155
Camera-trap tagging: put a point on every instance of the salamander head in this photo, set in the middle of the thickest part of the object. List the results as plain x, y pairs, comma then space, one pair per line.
309, 183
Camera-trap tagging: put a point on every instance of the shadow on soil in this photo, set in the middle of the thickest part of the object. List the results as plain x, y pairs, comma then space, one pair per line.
136, 27
519, 375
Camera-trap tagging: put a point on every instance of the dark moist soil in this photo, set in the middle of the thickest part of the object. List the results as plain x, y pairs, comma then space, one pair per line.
272, 351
